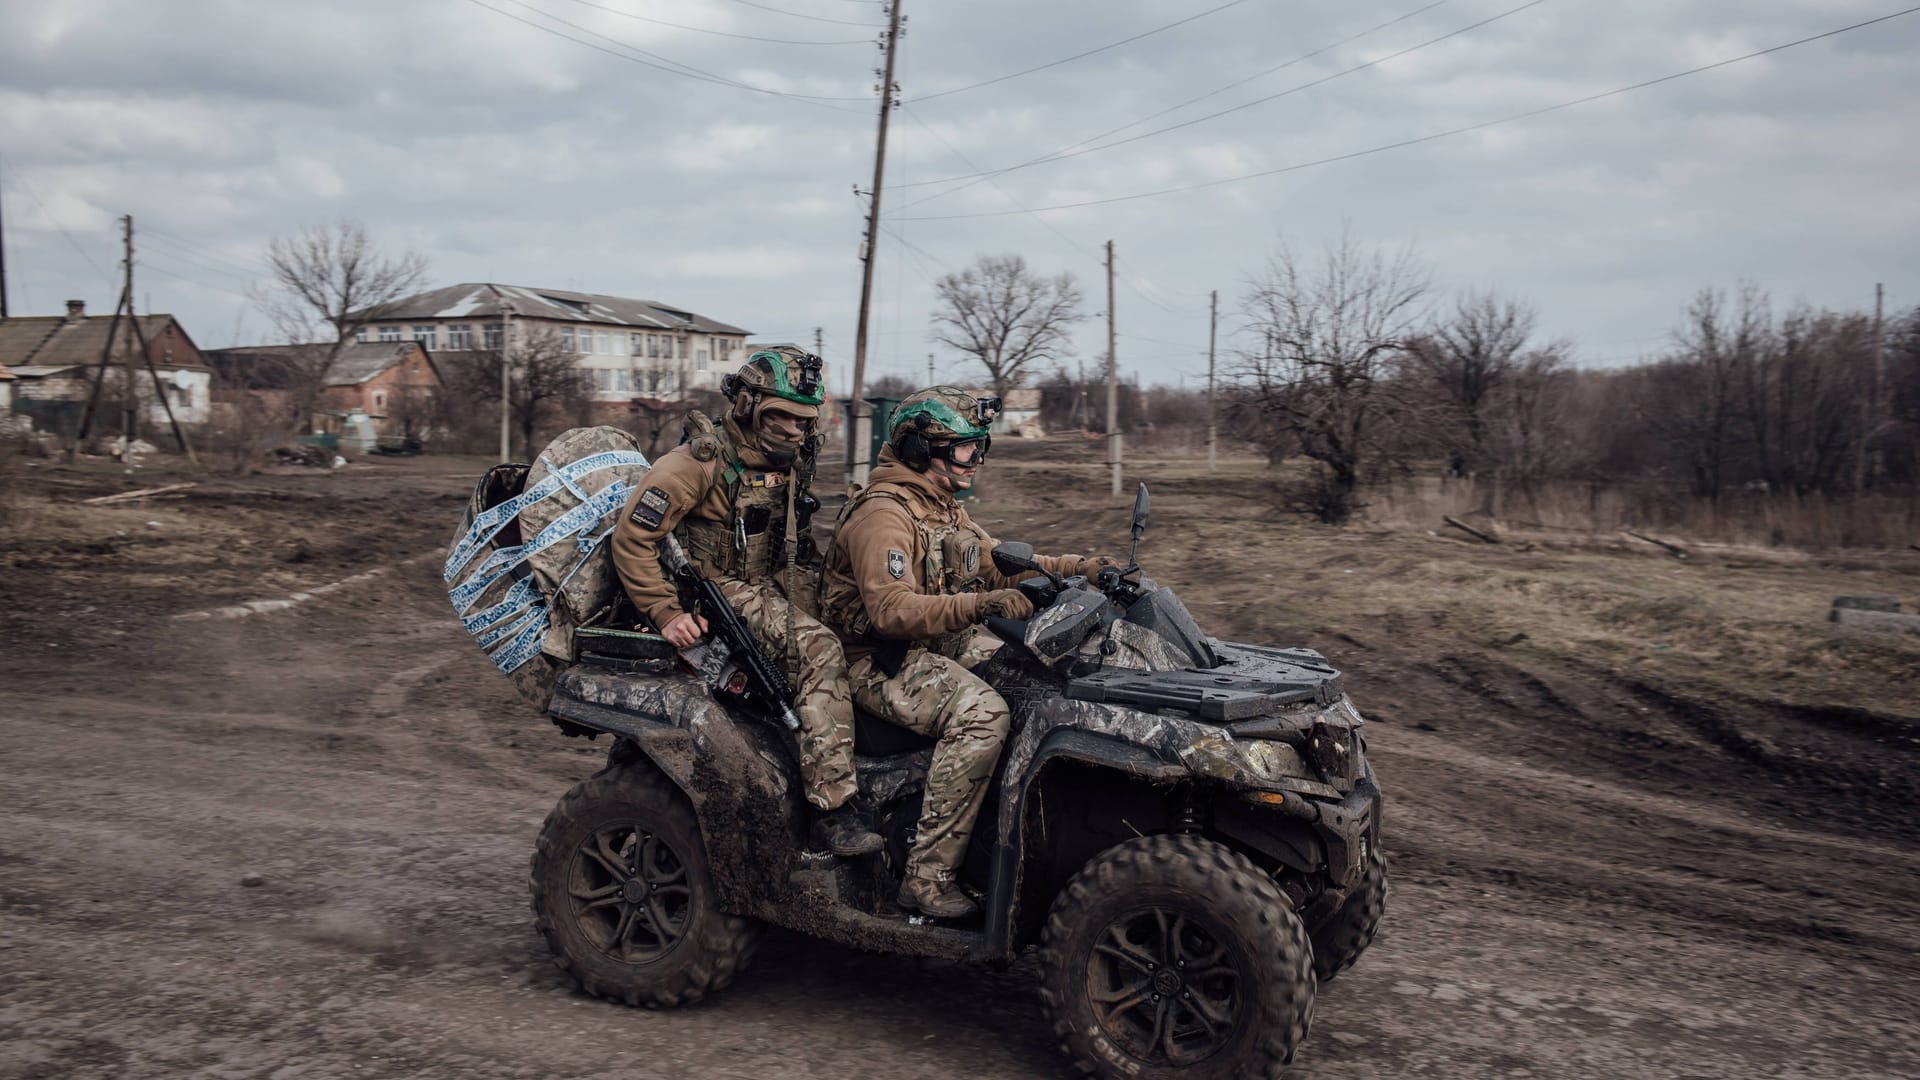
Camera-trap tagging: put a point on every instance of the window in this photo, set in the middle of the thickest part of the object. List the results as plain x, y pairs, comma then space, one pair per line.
701, 360
360, 335
653, 346
639, 344
490, 335
566, 338
380, 400
600, 343
427, 336
389, 333
620, 380
460, 337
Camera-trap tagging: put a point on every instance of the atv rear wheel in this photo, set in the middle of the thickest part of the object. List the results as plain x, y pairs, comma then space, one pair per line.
622, 894
1344, 935
1175, 957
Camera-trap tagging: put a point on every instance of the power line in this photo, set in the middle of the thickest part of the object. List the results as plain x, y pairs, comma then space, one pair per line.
809, 18
169, 253
688, 72
1417, 140
717, 33
1070, 241
192, 281
27, 187
1323, 80
1075, 56
191, 252
1302, 58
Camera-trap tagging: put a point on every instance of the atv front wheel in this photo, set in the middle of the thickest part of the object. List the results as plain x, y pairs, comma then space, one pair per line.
1340, 939
1175, 957
622, 894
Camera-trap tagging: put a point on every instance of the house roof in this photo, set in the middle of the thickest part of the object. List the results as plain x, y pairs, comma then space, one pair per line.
5, 374
277, 367
56, 341
483, 299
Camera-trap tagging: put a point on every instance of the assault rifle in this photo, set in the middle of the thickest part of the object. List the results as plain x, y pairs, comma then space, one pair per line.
729, 659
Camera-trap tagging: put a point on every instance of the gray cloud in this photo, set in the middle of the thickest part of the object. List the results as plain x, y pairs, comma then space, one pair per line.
510, 154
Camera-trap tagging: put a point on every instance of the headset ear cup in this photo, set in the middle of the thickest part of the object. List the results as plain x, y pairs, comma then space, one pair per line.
916, 452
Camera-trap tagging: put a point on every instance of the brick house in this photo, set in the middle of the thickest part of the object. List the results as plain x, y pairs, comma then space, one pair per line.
631, 348
395, 384
53, 359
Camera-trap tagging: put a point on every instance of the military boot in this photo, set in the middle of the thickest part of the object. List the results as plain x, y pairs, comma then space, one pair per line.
844, 832
940, 899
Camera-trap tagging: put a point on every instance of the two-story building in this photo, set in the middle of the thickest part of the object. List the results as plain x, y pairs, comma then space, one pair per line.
632, 348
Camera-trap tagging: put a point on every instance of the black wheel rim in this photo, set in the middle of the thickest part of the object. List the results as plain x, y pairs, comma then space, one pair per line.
631, 896
1165, 987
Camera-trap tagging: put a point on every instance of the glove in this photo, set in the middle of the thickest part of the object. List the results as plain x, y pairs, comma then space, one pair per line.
1093, 564
1006, 603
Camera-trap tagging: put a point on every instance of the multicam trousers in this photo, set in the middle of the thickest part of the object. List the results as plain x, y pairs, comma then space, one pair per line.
818, 668
937, 696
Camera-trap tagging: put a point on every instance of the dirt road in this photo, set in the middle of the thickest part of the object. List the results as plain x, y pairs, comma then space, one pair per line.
294, 844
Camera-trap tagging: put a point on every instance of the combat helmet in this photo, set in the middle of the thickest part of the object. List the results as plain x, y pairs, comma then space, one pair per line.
927, 424
785, 372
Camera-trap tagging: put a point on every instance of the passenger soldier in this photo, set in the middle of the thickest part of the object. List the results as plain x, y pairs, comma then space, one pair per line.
735, 495
906, 584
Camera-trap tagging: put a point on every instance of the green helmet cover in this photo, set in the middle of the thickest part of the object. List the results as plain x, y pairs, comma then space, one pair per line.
951, 413
771, 371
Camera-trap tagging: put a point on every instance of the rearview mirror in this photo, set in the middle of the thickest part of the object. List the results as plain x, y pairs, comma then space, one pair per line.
1012, 557
1140, 503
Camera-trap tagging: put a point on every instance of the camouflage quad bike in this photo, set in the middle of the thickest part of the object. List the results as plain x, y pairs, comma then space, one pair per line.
1187, 828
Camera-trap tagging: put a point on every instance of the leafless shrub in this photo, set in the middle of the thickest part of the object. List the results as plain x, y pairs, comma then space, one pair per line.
1323, 346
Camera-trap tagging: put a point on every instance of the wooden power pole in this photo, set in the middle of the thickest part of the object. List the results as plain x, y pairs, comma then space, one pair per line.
1213, 428
862, 419
1113, 390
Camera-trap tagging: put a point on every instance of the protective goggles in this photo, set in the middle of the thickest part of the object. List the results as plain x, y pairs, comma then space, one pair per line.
965, 453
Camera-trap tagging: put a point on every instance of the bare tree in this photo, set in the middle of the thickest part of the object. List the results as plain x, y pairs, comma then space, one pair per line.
1467, 356
1324, 342
329, 281
1009, 319
548, 385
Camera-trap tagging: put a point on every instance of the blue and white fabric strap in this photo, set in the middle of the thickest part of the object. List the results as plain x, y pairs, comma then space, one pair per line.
489, 523
580, 518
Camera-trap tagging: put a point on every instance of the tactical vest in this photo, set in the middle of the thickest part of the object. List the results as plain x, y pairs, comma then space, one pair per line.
950, 565
750, 544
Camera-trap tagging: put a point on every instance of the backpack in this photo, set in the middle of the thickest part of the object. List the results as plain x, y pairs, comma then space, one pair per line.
531, 565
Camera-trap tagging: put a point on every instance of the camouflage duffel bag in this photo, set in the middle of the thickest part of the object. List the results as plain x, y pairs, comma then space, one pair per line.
530, 564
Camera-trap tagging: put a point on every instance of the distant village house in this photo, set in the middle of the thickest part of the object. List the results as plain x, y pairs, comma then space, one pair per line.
54, 360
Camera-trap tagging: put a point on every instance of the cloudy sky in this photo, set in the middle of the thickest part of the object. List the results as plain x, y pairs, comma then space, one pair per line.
704, 152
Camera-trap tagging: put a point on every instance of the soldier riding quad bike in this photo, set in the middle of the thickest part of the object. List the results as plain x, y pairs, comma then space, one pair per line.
1188, 828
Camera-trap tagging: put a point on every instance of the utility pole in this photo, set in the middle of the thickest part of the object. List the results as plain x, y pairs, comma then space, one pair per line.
506, 382
1213, 430
862, 418
1113, 392
3, 262
129, 410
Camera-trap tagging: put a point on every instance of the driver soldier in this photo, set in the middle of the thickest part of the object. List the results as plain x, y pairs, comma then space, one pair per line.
906, 584
735, 495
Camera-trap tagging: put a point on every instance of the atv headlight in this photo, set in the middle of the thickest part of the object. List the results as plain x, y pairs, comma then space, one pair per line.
1273, 760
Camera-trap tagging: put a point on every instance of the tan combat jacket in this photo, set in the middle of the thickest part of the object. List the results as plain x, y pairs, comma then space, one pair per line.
907, 563
681, 487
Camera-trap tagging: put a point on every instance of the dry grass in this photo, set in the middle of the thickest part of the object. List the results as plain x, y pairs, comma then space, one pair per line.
1727, 622
1801, 522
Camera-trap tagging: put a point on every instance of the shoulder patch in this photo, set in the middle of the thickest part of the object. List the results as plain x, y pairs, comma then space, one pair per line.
650, 509
896, 563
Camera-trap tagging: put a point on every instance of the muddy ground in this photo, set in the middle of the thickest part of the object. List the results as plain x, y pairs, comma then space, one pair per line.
1646, 818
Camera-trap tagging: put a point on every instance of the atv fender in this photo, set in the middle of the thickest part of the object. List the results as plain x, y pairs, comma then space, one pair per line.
1070, 744
738, 778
